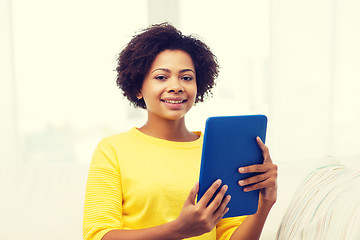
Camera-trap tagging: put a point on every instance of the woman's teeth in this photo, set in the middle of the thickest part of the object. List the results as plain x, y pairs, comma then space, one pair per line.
173, 102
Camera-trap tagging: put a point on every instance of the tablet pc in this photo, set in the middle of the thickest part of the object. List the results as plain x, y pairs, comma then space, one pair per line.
230, 143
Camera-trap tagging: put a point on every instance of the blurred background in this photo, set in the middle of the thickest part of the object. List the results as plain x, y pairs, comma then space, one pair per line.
295, 61
298, 62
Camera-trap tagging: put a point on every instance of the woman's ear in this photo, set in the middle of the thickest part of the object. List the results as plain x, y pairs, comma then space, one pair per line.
139, 95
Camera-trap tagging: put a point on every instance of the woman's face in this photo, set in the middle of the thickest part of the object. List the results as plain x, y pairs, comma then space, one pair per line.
169, 88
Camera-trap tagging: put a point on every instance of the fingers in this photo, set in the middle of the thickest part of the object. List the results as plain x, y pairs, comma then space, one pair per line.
265, 150
265, 180
259, 182
197, 219
222, 209
269, 172
271, 183
209, 193
217, 207
255, 179
192, 195
221, 214
219, 200
259, 167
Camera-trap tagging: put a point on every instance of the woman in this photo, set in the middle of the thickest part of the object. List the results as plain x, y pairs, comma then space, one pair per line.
139, 181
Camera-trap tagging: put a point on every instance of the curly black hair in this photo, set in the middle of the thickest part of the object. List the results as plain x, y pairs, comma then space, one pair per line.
136, 58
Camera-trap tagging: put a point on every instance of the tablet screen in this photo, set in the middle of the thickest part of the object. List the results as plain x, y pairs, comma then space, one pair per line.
230, 143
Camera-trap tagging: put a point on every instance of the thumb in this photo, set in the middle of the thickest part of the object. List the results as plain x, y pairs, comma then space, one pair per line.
192, 195
265, 150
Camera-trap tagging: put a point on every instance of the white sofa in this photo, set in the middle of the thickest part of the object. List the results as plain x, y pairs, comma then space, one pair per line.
42, 202
45, 202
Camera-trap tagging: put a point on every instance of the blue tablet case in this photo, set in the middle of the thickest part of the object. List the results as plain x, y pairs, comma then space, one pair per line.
230, 143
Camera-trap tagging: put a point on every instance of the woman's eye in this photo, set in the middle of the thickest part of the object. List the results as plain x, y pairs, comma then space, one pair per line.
187, 78
160, 77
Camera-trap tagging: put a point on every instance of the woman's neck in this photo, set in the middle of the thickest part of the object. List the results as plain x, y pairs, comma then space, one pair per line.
172, 130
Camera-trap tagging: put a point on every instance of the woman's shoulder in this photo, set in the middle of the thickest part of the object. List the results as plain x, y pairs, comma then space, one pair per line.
125, 136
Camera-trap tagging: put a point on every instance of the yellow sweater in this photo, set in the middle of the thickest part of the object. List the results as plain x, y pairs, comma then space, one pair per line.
136, 181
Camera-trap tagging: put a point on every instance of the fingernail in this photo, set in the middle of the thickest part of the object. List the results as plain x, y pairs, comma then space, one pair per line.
241, 170
245, 189
225, 187
241, 182
228, 197
218, 182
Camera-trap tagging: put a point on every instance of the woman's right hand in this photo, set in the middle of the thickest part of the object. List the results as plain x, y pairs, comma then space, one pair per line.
198, 218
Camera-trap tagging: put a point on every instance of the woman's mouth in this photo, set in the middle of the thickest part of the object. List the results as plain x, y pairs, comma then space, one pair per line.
174, 101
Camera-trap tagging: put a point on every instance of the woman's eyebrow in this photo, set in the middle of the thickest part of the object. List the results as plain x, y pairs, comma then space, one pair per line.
186, 70
168, 70
162, 69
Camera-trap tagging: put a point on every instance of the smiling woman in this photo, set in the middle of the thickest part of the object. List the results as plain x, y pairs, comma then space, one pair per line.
165, 72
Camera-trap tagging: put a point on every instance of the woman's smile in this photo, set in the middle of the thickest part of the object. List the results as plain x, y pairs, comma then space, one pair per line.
174, 103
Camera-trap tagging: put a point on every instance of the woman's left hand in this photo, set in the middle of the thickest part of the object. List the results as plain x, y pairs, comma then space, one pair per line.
266, 181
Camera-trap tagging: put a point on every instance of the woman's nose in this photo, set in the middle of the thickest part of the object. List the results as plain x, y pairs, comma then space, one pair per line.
175, 86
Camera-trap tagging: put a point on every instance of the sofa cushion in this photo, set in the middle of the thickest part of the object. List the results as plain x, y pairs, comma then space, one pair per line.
325, 206
42, 201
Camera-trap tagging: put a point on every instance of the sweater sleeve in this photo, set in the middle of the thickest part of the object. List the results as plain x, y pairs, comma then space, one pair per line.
103, 196
227, 226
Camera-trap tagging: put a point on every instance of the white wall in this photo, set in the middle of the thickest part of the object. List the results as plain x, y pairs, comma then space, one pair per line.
315, 105
63, 91
346, 97
8, 123
301, 77
296, 61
